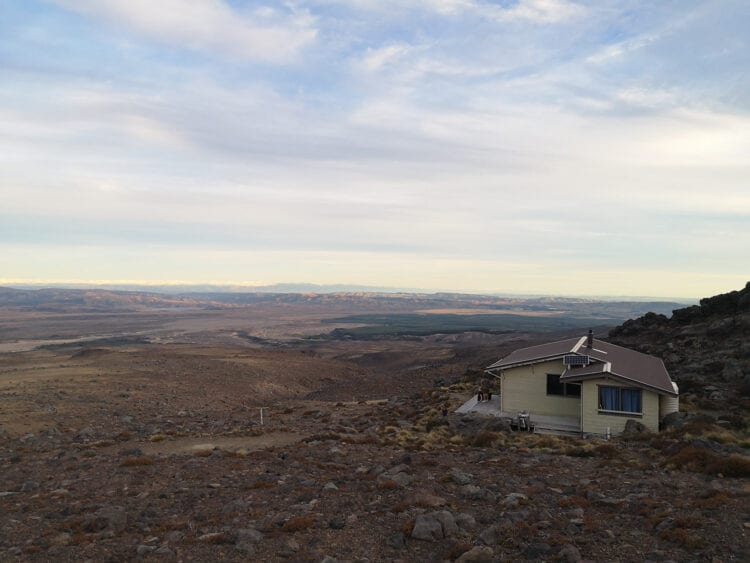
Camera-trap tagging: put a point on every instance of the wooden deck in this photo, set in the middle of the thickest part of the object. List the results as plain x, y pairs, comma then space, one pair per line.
541, 424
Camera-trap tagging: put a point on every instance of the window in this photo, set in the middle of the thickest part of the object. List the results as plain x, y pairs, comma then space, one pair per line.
556, 387
619, 399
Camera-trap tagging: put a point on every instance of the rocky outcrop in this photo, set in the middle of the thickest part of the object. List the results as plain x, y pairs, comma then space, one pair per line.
705, 347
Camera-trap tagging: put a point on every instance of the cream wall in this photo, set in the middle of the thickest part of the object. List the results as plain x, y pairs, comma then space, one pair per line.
525, 389
596, 423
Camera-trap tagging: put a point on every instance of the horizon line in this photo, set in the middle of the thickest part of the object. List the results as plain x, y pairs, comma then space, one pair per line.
82, 284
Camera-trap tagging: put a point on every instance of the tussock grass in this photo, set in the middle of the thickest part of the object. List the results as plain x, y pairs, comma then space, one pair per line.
484, 439
701, 460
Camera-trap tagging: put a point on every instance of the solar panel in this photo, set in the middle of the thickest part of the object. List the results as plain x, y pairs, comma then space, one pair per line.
575, 360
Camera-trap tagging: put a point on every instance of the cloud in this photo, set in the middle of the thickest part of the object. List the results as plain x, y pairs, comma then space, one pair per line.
537, 11
207, 25
533, 11
375, 59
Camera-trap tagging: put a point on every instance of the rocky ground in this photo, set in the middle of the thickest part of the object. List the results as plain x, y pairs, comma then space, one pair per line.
366, 481
135, 451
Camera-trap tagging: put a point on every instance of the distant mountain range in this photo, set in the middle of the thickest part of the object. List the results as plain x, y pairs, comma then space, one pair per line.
62, 299
178, 289
222, 288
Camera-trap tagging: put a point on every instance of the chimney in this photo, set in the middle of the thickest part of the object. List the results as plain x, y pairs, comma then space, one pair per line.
590, 339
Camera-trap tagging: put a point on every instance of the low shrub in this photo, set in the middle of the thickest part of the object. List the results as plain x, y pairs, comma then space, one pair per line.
577, 501
298, 523
136, 461
684, 537
715, 499
484, 439
388, 485
607, 451
580, 452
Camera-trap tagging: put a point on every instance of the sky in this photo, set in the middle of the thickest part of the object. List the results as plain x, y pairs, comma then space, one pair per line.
532, 146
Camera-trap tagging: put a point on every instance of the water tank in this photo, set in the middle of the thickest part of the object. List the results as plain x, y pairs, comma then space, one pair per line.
669, 404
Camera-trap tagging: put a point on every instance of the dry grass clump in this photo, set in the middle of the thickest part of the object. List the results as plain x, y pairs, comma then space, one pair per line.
547, 441
577, 501
408, 527
136, 461
158, 437
388, 485
298, 523
607, 451
683, 537
174, 524
436, 439
262, 484
80, 539
485, 439
214, 538
722, 437
408, 439
701, 460
683, 533
402, 506
713, 500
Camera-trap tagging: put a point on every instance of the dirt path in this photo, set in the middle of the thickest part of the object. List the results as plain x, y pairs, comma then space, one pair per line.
208, 443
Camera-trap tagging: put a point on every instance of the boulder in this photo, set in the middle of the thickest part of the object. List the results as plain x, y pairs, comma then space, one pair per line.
112, 518
633, 428
434, 526
476, 554
569, 554
427, 528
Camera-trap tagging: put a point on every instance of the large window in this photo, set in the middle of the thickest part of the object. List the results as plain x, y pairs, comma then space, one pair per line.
620, 399
557, 387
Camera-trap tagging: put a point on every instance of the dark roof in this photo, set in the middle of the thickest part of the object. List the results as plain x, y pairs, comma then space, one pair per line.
606, 359
535, 354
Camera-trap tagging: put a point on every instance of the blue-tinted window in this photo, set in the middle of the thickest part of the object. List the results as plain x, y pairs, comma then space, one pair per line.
619, 399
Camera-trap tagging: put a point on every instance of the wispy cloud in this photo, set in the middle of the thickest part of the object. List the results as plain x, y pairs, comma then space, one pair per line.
533, 11
540, 11
375, 59
207, 25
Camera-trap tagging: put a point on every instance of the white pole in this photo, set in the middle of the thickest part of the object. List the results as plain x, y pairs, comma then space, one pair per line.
261, 416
